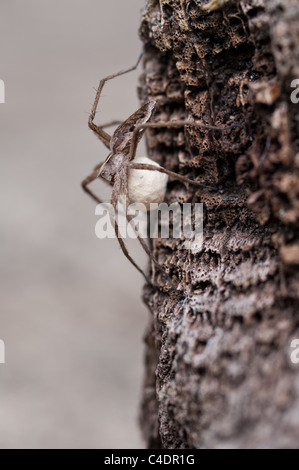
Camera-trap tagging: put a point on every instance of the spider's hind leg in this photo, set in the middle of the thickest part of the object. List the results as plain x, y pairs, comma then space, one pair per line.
150, 255
93, 176
126, 253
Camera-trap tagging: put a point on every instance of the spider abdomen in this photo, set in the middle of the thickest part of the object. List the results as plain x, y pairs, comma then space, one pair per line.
146, 186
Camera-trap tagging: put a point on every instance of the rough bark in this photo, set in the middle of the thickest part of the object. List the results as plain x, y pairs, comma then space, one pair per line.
218, 370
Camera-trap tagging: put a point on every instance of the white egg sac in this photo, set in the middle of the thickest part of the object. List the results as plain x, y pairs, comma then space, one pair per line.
146, 186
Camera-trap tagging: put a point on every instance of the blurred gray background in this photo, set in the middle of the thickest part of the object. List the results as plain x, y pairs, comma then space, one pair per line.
71, 315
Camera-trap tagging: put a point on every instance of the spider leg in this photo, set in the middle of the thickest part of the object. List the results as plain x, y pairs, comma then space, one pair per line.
109, 124
93, 176
99, 131
127, 255
97, 167
121, 242
148, 252
104, 136
184, 179
171, 124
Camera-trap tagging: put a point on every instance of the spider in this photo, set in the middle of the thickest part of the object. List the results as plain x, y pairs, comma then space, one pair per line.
135, 179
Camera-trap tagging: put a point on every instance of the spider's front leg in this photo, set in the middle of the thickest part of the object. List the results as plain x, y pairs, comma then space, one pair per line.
99, 130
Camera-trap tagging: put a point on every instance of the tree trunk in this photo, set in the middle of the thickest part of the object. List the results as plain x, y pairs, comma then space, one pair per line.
218, 369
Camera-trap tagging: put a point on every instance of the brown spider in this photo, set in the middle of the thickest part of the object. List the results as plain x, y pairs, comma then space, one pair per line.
120, 165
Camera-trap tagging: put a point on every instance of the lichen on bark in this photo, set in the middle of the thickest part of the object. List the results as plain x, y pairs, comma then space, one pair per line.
218, 372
